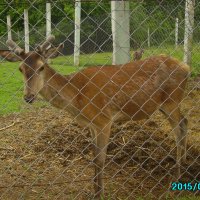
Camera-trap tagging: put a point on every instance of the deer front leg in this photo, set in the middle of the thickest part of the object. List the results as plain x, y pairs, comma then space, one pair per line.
183, 126
100, 150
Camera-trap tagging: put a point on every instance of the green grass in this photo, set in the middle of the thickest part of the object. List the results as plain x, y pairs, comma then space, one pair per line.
11, 80
10, 87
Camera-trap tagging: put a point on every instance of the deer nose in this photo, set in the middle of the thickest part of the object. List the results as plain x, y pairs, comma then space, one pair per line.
29, 98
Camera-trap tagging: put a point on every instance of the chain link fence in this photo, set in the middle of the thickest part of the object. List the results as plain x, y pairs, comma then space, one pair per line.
46, 154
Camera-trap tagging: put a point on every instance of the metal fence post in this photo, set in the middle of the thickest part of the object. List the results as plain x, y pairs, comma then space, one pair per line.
176, 32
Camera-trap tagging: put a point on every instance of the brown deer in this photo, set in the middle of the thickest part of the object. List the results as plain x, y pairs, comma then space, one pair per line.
137, 55
98, 96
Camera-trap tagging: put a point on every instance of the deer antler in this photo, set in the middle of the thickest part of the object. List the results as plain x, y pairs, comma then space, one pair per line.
14, 47
53, 52
48, 41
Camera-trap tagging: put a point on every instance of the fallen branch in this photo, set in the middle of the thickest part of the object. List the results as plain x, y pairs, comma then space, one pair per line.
6, 127
142, 148
7, 148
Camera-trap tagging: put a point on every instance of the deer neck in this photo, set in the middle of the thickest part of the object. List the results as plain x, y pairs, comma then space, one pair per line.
57, 90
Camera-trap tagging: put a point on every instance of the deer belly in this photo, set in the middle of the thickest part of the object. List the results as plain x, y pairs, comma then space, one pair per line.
133, 111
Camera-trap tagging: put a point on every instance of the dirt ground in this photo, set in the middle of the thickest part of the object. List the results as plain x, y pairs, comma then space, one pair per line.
45, 155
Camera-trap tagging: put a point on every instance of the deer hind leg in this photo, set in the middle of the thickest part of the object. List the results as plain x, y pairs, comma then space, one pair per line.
179, 125
100, 150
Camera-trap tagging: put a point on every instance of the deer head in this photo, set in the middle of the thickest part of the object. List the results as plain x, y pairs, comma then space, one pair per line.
137, 55
33, 66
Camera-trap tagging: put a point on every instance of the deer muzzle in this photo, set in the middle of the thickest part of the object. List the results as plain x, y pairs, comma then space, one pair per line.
29, 98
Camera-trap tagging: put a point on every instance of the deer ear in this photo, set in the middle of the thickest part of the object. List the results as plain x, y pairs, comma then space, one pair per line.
9, 56
53, 52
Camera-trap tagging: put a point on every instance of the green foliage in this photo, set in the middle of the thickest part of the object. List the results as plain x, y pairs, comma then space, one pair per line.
69, 10
158, 16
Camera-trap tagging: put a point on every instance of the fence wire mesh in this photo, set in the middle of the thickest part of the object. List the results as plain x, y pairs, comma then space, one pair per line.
50, 153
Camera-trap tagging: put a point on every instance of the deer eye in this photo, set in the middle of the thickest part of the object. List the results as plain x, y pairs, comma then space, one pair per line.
41, 68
